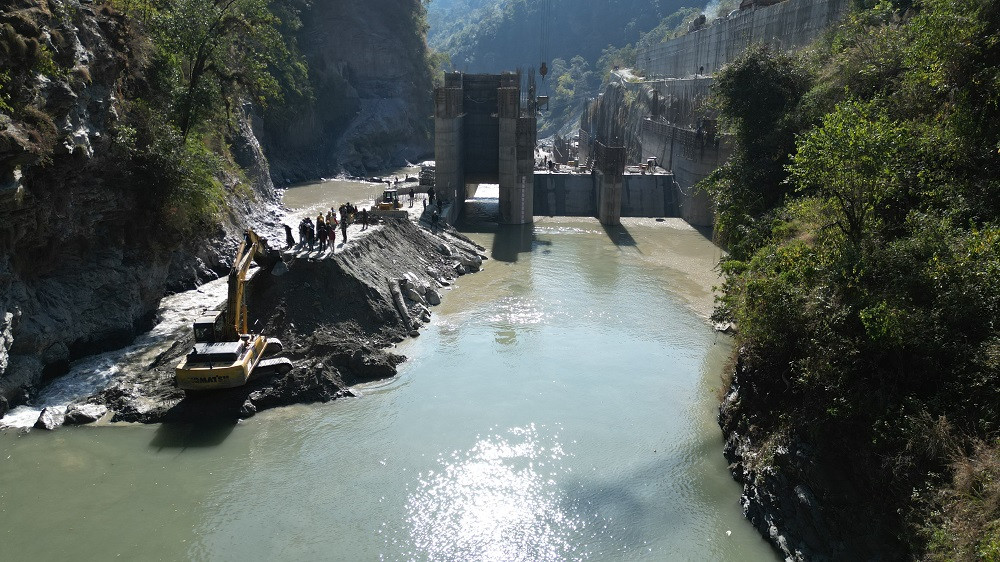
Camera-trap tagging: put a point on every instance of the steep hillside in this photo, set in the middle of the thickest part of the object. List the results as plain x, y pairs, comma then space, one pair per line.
128, 164
861, 211
88, 240
521, 33
371, 83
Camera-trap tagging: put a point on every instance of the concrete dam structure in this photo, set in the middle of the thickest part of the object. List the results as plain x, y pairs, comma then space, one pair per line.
664, 114
485, 131
485, 128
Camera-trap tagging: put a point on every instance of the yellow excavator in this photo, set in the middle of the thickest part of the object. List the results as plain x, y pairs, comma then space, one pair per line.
225, 355
389, 201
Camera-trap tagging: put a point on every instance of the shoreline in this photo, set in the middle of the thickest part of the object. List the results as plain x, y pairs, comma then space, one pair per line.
329, 353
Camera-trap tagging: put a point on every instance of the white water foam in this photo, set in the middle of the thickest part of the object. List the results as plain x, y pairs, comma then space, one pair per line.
94, 373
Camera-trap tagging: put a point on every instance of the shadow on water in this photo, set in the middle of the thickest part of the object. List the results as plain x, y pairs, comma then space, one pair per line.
621, 236
510, 240
707, 232
192, 435
481, 215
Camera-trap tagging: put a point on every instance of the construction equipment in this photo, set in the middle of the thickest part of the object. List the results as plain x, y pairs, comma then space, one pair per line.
389, 201
225, 355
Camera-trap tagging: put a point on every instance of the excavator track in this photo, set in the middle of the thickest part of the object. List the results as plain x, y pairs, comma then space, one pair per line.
273, 346
273, 366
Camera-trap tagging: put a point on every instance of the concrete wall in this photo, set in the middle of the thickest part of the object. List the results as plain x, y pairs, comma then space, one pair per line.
649, 196
682, 100
691, 158
565, 195
450, 162
787, 26
575, 195
510, 194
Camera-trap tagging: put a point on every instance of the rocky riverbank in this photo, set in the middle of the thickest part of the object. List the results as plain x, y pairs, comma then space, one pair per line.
337, 317
83, 260
796, 493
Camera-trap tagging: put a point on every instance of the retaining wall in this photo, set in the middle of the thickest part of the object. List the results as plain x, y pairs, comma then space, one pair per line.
786, 26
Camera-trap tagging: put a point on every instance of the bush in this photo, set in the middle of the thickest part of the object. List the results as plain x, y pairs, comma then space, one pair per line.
175, 179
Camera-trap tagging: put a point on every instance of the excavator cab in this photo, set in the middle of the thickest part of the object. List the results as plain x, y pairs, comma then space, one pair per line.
390, 200
208, 328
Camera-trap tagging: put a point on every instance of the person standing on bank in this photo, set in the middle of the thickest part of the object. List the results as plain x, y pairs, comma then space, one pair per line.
321, 234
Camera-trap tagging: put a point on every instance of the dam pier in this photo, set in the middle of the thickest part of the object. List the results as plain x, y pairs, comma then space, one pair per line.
485, 133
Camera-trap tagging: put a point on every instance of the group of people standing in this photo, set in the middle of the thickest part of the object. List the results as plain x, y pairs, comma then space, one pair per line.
347, 212
323, 233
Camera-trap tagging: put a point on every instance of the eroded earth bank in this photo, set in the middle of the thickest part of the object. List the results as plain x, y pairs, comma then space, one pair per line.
336, 315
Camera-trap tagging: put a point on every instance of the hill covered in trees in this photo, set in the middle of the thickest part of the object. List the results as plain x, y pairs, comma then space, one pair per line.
862, 214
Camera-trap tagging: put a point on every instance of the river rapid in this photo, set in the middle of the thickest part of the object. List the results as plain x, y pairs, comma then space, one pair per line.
560, 406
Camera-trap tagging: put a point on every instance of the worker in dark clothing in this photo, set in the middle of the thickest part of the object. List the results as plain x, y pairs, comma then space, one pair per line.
289, 239
364, 219
343, 225
321, 235
411, 196
430, 195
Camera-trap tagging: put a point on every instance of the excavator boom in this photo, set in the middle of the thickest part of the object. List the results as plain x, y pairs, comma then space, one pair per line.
225, 354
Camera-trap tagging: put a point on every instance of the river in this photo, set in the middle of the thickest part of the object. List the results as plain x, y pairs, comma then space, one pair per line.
560, 406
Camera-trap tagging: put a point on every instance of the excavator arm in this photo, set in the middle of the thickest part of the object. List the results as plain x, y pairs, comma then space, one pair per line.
236, 324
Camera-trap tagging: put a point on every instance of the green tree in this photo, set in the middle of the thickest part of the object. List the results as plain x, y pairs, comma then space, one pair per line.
219, 51
757, 95
856, 160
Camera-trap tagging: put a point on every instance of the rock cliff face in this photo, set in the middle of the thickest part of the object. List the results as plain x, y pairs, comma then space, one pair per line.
80, 268
800, 498
372, 87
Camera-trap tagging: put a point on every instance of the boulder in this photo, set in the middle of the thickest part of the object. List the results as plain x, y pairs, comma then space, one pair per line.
49, 419
471, 262
248, 409
6, 339
445, 249
79, 414
413, 295
460, 269
433, 297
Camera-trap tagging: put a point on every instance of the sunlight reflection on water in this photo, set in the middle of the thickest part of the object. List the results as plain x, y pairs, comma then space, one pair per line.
496, 501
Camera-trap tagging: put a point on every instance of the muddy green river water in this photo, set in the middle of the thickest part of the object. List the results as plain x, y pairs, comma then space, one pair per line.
560, 406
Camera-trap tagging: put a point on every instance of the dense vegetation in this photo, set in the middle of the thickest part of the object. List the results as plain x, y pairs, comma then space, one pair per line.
861, 214
205, 59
